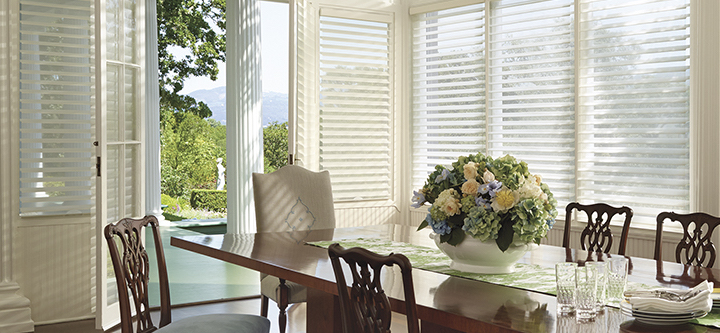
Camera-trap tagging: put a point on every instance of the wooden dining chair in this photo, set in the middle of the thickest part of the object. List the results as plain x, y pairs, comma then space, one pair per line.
696, 246
291, 199
366, 308
132, 272
597, 235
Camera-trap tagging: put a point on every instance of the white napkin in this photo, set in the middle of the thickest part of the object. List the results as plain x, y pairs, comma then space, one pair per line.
667, 300
715, 295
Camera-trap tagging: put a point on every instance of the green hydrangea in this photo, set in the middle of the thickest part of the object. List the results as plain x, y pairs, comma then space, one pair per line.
468, 203
437, 214
530, 220
479, 158
509, 171
482, 224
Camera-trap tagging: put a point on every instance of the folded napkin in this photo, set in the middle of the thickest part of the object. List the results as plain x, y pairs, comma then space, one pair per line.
715, 295
671, 301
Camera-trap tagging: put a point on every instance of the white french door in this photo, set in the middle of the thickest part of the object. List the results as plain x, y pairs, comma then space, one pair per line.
120, 134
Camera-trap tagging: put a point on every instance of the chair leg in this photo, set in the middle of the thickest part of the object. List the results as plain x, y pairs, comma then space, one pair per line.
263, 305
282, 305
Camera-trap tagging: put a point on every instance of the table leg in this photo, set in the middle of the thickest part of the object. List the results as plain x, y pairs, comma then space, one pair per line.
323, 312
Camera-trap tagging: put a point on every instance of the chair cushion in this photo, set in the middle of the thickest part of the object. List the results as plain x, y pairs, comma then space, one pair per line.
270, 287
219, 323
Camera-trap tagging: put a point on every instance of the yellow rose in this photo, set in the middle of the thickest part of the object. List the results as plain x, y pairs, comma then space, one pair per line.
451, 207
470, 171
470, 187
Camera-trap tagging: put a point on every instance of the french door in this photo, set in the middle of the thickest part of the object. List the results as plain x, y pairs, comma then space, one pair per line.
120, 134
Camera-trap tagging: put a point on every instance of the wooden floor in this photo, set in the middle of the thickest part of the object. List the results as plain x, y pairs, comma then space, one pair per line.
296, 317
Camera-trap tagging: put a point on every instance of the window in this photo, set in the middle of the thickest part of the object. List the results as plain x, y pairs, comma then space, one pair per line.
355, 82
596, 104
56, 107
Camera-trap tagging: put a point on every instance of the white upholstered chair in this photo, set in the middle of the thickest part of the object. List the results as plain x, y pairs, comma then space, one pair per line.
290, 199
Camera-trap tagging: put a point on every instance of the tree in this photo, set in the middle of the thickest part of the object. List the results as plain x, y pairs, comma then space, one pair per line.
189, 156
196, 28
275, 146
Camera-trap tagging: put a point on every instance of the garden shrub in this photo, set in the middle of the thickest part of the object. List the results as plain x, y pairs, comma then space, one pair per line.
170, 202
209, 199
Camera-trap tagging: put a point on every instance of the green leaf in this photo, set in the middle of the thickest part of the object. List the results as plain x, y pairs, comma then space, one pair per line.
456, 236
505, 234
423, 225
504, 238
444, 238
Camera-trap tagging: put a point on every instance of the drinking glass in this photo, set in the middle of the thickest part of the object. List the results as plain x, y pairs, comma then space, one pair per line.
617, 271
601, 268
586, 281
565, 279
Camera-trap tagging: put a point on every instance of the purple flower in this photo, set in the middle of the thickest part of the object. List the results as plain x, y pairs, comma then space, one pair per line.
442, 176
482, 203
418, 199
484, 189
493, 187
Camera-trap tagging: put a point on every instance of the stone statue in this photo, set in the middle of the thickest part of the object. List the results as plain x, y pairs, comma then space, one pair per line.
221, 175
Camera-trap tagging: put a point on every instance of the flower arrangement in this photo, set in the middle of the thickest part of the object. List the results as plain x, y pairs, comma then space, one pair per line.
488, 199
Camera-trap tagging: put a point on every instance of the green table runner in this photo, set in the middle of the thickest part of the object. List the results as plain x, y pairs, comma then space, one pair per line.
526, 276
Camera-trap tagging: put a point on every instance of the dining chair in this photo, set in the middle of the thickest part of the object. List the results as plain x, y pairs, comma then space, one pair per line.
365, 307
597, 235
696, 246
132, 272
290, 199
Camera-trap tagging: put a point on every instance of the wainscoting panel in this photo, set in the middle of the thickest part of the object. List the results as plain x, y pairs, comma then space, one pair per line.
54, 270
641, 242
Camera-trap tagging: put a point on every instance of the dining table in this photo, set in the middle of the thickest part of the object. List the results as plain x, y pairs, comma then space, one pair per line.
445, 302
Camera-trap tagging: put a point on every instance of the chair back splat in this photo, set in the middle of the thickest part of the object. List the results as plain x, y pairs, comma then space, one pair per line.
366, 308
132, 272
597, 235
696, 246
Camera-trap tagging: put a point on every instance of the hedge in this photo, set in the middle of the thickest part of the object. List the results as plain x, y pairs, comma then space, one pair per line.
209, 199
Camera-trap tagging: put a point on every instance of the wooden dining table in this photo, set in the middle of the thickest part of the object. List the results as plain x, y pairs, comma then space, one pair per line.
445, 303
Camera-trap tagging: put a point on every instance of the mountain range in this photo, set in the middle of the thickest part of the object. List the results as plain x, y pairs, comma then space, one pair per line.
274, 106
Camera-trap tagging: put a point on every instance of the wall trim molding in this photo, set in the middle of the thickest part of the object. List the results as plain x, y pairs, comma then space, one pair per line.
14, 308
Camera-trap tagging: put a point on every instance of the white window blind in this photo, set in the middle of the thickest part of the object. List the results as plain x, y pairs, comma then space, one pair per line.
598, 107
56, 107
448, 87
633, 143
355, 120
304, 132
531, 108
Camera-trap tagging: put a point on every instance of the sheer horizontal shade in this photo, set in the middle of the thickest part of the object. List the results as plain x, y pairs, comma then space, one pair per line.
56, 107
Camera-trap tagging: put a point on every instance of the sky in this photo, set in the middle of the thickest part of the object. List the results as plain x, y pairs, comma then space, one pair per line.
274, 39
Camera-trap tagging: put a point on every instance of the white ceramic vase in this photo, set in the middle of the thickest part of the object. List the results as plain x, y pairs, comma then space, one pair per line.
484, 257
